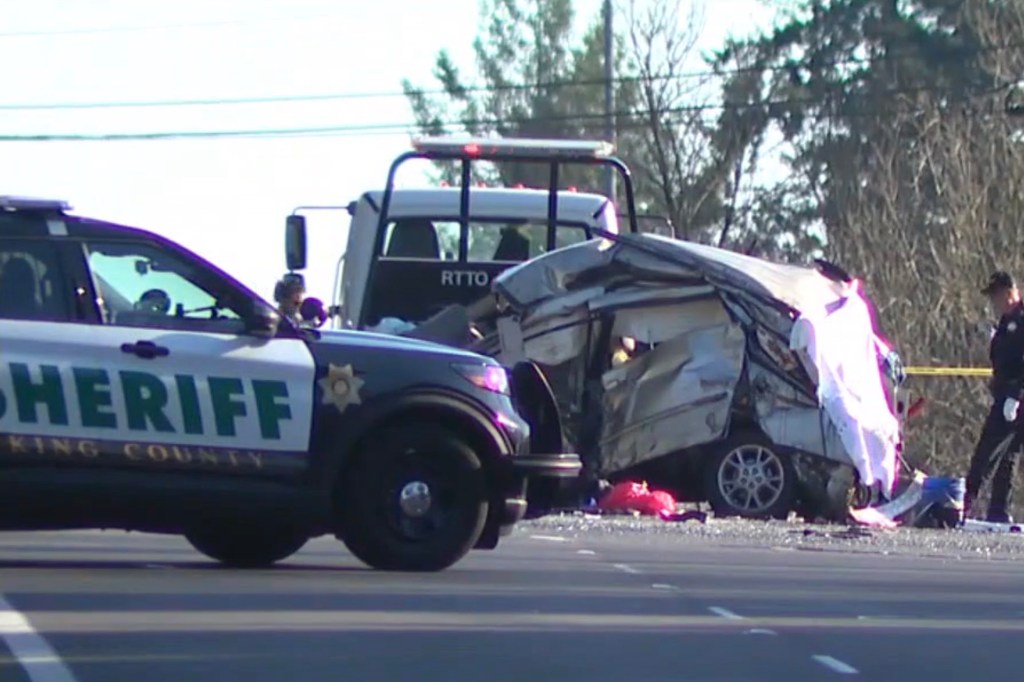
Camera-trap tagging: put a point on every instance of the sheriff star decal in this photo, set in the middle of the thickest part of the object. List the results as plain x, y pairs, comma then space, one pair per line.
341, 387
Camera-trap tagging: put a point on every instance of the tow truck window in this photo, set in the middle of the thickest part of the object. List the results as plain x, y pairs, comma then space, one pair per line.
492, 241
31, 284
140, 285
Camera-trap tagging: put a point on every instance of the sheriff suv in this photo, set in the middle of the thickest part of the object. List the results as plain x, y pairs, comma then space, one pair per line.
142, 388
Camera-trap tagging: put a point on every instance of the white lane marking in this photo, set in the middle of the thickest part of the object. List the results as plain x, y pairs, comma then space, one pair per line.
587, 552
36, 657
549, 538
724, 613
835, 665
663, 586
761, 631
626, 568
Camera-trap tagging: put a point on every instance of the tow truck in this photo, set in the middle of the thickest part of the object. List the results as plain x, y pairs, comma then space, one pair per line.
412, 254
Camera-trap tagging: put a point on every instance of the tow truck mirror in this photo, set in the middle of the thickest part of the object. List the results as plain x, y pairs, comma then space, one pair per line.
295, 242
263, 322
312, 310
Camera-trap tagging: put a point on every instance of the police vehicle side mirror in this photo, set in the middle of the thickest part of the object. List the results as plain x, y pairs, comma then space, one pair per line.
295, 242
312, 310
263, 322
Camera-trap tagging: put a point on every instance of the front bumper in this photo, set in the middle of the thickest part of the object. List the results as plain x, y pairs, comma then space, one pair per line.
560, 465
525, 468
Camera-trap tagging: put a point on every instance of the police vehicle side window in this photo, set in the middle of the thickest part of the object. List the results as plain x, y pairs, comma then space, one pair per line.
141, 285
32, 285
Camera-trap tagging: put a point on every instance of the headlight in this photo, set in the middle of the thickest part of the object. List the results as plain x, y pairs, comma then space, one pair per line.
492, 378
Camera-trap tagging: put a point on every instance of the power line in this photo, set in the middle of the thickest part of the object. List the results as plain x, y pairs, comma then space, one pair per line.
474, 89
627, 119
164, 27
186, 134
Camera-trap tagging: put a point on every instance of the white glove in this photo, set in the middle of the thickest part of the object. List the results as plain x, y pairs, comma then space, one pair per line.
1010, 410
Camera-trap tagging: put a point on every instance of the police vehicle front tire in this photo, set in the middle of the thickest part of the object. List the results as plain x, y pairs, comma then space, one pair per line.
240, 546
415, 499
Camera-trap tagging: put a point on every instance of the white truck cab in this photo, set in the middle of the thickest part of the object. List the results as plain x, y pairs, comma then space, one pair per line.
422, 260
413, 252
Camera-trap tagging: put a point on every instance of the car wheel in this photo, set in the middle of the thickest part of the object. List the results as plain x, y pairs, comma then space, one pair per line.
747, 478
240, 546
414, 500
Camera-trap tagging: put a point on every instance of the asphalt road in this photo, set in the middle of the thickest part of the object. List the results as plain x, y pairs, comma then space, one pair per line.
105, 607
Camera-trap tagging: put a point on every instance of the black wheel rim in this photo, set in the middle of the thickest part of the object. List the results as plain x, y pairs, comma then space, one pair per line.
413, 469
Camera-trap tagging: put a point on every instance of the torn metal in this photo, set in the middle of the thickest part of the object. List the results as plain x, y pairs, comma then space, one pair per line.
656, 347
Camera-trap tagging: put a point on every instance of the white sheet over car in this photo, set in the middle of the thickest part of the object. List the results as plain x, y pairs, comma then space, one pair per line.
840, 342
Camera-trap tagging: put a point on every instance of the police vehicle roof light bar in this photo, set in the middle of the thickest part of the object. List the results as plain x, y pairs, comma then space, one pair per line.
33, 204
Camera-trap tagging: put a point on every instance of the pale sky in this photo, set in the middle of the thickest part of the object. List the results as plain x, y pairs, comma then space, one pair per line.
226, 199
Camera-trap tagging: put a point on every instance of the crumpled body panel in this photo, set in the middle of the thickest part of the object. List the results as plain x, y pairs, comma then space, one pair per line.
672, 337
676, 396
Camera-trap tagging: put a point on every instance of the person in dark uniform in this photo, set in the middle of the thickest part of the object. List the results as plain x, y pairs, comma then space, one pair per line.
288, 294
999, 445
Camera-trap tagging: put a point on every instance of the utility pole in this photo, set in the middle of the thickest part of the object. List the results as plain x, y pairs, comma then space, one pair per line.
609, 93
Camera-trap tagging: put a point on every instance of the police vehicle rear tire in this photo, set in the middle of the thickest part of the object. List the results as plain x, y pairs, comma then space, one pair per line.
415, 499
242, 546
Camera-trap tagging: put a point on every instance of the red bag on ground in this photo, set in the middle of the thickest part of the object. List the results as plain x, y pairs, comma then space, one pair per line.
629, 496
660, 502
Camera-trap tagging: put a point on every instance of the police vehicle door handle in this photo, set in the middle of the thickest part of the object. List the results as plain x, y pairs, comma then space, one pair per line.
145, 349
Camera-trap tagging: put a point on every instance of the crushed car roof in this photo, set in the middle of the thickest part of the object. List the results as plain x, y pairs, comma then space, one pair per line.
658, 258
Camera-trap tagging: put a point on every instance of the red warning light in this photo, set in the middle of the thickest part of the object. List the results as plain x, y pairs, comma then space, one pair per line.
519, 185
572, 188
472, 149
444, 183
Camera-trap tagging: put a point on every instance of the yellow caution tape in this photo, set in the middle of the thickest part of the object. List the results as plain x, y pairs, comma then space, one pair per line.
949, 371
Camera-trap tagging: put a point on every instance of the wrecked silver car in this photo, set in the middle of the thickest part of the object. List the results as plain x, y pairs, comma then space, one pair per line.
759, 387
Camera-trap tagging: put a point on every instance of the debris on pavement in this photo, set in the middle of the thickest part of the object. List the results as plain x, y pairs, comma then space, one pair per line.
976, 526
928, 501
637, 499
690, 515
630, 496
739, 533
851, 533
873, 518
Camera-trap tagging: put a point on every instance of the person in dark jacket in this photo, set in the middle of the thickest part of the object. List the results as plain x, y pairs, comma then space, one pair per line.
288, 294
999, 445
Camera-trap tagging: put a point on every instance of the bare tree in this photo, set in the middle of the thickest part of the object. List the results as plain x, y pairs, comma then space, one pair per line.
935, 208
672, 112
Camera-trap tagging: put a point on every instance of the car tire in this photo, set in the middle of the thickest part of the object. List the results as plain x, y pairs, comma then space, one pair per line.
241, 546
415, 499
746, 477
